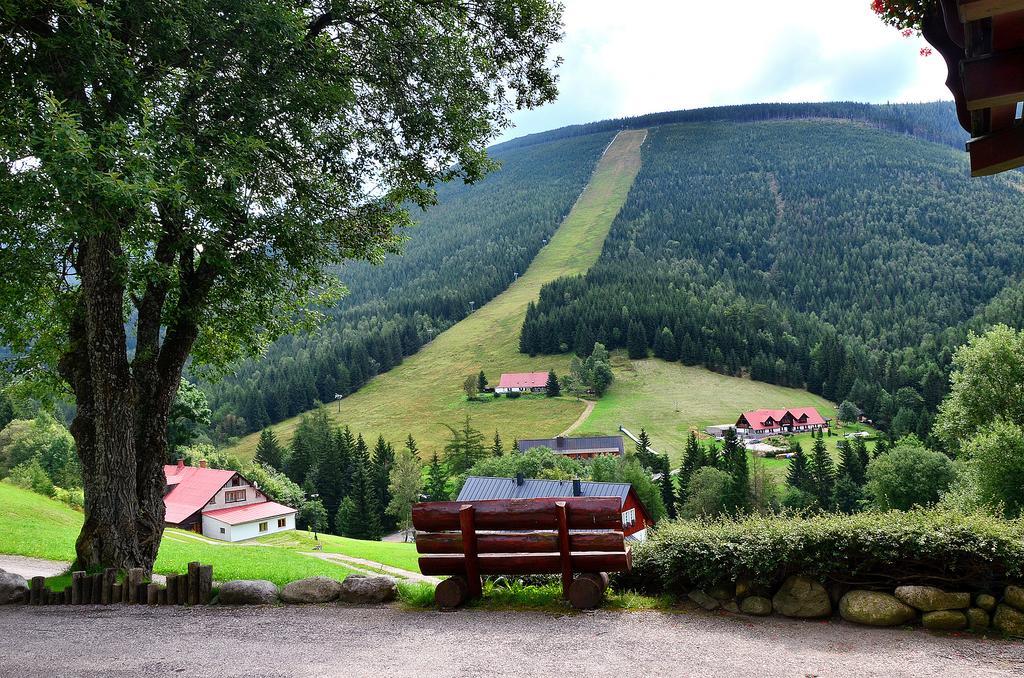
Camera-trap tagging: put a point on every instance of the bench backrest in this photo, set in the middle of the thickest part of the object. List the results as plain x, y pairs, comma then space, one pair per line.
558, 535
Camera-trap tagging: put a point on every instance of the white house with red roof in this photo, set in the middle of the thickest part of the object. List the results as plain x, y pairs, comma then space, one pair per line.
221, 504
772, 422
522, 382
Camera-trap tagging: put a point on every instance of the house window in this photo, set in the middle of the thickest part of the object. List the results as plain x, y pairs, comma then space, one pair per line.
628, 518
232, 496
263, 527
222, 530
281, 522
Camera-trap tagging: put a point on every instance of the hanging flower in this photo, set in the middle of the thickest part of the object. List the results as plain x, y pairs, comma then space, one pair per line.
926, 51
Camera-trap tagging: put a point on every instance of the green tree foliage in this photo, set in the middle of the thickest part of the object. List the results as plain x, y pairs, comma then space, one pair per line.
734, 462
644, 454
310, 444
552, 388
995, 459
45, 440
437, 480
707, 493
481, 382
465, 448
668, 487
497, 448
613, 469
383, 462
313, 516
469, 385
189, 414
665, 345
405, 484
636, 341
205, 201
269, 451
32, 476
799, 476
822, 473
693, 459
592, 374
847, 411
908, 475
537, 462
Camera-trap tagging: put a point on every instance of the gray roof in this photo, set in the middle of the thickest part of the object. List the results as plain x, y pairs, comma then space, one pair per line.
481, 487
578, 445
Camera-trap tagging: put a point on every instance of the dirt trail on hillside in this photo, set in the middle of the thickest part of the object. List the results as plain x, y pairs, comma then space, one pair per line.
42, 642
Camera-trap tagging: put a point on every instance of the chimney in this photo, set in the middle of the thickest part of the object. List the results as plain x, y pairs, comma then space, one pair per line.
181, 464
577, 488
520, 479
202, 463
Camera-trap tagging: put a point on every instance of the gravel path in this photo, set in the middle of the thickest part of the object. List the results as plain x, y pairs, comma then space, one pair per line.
383, 641
32, 567
580, 419
373, 567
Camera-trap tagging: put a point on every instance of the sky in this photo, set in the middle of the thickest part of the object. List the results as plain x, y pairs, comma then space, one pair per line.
629, 57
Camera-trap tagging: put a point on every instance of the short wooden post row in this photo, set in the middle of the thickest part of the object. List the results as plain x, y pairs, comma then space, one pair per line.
205, 584
36, 590
564, 554
193, 583
469, 549
76, 587
132, 582
102, 588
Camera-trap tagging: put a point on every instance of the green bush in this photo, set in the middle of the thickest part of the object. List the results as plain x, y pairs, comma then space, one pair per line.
32, 476
996, 460
934, 546
907, 476
706, 493
75, 497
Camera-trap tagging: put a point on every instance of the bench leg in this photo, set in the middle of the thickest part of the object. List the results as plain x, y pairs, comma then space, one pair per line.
451, 592
587, 590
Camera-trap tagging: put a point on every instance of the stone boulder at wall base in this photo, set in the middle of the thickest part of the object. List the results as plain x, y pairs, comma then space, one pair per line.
977, 619
802, 596
311, 590
248, 592
1009, 620
703, 599
13, 588
985, 601
759, 606
1014, 595
930, 598
367, 590
944, 620
875, 608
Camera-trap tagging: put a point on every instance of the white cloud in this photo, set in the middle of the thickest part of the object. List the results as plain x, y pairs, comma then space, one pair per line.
630, 58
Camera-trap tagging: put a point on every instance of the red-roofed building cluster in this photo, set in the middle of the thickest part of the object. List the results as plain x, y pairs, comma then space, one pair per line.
771, 422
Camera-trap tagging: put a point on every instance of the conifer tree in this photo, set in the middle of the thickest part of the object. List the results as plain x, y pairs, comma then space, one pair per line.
481, 382
269, 451
360, 520
799, 474
437, 479
552, 387
465, 448
648, 459
668, 491
383, 462
734, 462
497, 449
822, 473
861, 450
636, 341
850, 463
332, 475
693, 459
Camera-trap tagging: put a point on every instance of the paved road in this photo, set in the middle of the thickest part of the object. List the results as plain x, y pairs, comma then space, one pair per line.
380, 642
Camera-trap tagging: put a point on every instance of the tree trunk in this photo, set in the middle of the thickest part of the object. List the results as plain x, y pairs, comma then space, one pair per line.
121, 421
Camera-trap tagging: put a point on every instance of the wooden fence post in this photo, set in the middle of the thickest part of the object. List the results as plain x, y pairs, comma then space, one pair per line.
132, 582
36, 589
96, 581
109, 577
172, 589
205, 584
467, 523
152, 593
562, 512
76, 587
117, 593
193, 583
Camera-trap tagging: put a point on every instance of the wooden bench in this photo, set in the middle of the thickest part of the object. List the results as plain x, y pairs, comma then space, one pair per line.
568, 536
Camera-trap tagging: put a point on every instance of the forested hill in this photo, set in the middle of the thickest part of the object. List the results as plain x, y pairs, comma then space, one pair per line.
464, 251
821, 253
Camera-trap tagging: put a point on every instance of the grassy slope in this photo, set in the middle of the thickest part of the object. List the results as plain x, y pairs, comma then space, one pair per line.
425, 392
670, 399
32, 525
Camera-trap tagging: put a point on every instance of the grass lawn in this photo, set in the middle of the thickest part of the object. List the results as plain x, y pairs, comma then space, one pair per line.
670, 399
425, 392
33, 525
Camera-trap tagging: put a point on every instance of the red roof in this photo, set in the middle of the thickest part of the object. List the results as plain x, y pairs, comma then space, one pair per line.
523, 380
250, 512
193, 487
756, 418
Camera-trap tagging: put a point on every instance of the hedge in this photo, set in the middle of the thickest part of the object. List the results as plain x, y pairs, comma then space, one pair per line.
872, 550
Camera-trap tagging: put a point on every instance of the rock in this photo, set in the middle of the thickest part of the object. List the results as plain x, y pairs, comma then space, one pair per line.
248, 592
758, 606
703, 599
930, 598
748, 587
364, 590
801, 596
13, 588
944, 620
311, 590
985, 601
731, 606
722, 593
977, 619
1008, 620
1014, 595
874, 608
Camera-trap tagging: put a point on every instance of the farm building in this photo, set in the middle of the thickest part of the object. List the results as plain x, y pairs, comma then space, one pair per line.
220, 504
522, 382
771, 422
578, 448
635, 518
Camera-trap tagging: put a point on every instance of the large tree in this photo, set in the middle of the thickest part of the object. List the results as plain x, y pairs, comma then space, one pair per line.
194, 168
